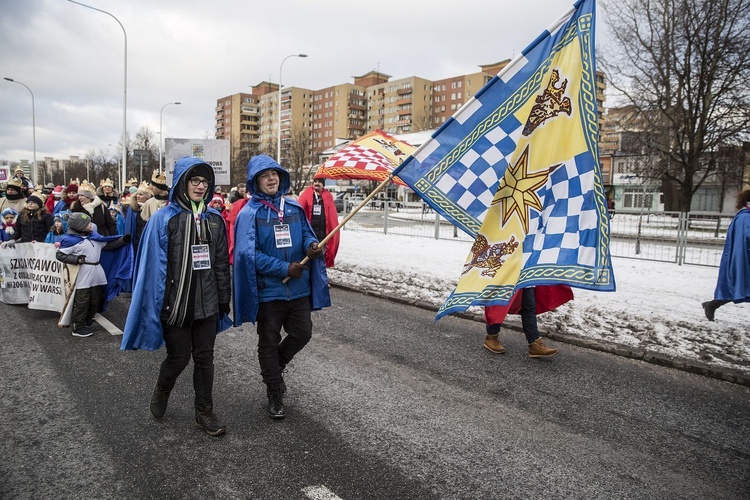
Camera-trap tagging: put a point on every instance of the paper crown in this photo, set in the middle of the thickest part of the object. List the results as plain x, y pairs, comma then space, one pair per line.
15, 183
107, 182
86, 186
144, 186
159, 179
74, 181
131, 182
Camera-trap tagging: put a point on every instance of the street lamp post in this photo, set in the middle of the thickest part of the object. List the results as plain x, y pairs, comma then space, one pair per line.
33, 128
161, 137
278, 130
124, 167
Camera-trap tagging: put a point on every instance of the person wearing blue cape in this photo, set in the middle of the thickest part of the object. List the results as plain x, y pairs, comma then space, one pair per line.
83, 246
181, 290
733, 284
272, 237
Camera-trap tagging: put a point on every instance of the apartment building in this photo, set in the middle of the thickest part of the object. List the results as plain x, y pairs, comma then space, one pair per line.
400, 106
339, 112
296, 115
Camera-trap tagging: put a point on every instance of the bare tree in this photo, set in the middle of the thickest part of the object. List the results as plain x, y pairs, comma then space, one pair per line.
298, 158
684, 66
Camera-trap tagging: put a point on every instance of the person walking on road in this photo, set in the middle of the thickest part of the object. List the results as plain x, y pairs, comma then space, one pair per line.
272, 236
529, 302
733, 284
181, 290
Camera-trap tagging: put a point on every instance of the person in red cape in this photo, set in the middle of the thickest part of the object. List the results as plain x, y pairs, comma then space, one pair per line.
528, 302
321, 212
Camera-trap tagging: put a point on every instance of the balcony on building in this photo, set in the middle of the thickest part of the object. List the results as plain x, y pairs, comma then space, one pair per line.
404, 91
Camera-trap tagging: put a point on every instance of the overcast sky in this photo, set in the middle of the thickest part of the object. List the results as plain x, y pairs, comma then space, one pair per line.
196, 51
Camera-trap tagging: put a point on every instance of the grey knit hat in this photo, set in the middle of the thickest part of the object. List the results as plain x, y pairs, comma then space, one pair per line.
78, 221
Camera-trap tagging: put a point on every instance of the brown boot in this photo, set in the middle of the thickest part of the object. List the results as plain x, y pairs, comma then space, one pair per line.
537, 349
491, 343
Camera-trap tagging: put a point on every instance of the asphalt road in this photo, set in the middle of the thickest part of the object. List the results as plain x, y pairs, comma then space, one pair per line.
383, 403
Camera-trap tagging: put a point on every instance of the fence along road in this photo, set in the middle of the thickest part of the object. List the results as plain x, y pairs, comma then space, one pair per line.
694, 238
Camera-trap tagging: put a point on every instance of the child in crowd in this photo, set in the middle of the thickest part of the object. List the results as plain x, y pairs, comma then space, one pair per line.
83, 246
59, 229
8, 223
114, 212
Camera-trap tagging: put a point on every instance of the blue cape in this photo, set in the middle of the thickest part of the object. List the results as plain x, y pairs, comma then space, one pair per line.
244, 274
734, 270
143, 328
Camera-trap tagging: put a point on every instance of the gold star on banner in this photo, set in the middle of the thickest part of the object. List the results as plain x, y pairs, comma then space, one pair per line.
517, 191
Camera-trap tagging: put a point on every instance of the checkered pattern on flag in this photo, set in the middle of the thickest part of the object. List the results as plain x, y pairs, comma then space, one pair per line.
371, 157
517, 167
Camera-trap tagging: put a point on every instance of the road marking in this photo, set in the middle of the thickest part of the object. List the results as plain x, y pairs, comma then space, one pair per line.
319, 493
107, 325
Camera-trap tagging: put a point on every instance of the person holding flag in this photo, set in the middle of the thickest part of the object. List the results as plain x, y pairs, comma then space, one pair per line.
320, 210
272, 236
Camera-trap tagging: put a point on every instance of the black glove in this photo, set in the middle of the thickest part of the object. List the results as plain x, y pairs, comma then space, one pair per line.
314, 251
126, 238
295, 270
81, 259
224, 308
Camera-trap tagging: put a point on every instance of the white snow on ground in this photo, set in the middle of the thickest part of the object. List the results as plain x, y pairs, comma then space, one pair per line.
657, 305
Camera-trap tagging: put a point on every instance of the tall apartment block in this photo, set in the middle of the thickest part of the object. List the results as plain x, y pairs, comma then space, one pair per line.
349, 110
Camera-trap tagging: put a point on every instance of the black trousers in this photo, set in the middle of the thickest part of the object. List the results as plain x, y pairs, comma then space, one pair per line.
273, 352
197, 340
86, 304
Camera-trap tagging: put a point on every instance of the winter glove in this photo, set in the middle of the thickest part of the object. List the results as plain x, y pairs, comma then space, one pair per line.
295, 270
81, 259
9, 244
314, 251
126, 238
224, 308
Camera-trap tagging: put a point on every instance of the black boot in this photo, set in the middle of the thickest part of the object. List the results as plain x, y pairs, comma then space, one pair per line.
710, 309
159, 400
205, 417
275, 402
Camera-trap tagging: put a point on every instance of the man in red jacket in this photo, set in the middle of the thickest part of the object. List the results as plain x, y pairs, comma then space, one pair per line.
321, 212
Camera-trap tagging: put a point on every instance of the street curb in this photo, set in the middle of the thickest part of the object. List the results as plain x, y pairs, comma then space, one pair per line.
654, 357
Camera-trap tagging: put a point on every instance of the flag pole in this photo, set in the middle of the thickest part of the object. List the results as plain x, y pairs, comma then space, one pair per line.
354, 211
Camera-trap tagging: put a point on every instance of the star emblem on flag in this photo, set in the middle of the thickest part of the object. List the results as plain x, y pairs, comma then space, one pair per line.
517, 191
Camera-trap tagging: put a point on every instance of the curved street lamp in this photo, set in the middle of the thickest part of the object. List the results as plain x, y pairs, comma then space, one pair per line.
33, 128
124, 166
161, 137
278, 130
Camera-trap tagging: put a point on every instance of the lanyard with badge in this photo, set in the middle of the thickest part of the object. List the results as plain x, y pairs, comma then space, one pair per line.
317, 208
201, 255
281, 232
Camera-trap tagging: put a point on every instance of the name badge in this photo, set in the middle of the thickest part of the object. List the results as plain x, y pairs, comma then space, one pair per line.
283, 235
201, 257
317, 209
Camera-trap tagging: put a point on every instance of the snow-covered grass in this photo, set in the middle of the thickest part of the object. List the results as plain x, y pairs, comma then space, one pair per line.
657, 305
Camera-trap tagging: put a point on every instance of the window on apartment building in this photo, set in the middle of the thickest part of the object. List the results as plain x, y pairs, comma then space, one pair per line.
454, 106
443, 87
458, 95
453, 96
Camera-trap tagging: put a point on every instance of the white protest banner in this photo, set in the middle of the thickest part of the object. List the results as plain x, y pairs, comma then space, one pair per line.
15, 275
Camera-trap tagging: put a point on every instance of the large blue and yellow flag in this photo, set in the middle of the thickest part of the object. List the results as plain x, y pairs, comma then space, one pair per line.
517, 167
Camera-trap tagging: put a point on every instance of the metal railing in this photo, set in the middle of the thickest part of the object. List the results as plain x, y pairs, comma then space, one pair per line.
694, 238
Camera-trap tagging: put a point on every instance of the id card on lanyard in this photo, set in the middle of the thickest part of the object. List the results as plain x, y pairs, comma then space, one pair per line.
200, 253
282, 233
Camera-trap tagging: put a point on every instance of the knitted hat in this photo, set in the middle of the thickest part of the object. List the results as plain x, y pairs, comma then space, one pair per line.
37, 198
132, 189
78, 221
9, 211
57, 192
19, 170
87, 189
217, 197
72, 188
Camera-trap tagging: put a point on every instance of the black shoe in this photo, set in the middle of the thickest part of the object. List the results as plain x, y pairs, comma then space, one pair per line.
275, 403
204, 417
710, 309
90, 322
82, 331
159, 400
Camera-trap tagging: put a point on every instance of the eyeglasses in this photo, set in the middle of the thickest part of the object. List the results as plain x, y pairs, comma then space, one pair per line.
196, 181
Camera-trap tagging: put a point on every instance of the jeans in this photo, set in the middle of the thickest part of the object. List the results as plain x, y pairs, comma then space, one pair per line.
273, 352
197, 339
528, 317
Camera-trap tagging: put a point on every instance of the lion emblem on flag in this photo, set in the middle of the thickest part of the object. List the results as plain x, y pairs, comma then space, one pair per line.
489, 257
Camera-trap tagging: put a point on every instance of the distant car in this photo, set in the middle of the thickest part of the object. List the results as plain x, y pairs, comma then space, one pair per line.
353, 201
392, 203
339, 202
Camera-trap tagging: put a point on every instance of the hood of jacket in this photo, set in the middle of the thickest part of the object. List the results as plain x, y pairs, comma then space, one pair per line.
178, 193
259, 163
